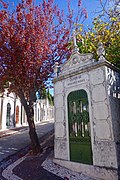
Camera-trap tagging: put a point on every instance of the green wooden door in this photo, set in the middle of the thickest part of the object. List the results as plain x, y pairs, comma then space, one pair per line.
79, 127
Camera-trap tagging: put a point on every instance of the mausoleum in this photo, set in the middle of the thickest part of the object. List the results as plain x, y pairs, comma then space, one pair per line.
87, 115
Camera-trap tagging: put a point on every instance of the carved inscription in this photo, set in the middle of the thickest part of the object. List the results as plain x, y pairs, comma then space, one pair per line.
72, 81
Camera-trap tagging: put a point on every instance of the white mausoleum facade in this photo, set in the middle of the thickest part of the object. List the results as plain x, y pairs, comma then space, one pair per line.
89, 143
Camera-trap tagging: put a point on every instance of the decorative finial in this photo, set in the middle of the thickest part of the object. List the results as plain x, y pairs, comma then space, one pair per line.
101, 51
76, 49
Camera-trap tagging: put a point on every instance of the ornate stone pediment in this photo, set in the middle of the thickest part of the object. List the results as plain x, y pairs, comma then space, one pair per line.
77, 60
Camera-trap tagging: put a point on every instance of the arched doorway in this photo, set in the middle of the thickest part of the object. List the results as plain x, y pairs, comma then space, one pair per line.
17, 114
79, 127
8, 114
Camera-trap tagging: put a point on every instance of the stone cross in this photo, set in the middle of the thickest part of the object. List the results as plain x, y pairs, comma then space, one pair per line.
74, 38
76, 49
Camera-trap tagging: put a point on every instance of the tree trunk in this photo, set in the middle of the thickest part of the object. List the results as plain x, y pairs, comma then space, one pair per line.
35, 145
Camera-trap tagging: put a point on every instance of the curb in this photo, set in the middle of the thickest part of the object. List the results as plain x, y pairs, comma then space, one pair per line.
9, 132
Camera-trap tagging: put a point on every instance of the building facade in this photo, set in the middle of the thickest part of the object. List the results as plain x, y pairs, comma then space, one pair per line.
43, 110
12, 113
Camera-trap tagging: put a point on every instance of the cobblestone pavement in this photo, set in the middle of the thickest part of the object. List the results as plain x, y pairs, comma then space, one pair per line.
30, 166
24, 166
11, 159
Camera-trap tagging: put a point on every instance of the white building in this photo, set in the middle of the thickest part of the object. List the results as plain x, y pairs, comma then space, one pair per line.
43, 110
12, 113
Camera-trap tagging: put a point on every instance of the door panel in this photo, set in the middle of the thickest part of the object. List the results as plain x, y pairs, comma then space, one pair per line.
8, 114
17, 115
79, 127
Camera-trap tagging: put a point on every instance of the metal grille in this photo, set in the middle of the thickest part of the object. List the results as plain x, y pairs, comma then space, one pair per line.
79, 127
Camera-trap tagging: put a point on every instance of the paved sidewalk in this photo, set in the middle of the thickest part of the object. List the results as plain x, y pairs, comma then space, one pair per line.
9, 132
29, 167
41, 166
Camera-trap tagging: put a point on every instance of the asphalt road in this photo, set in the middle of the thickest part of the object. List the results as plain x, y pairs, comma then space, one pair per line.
13, 143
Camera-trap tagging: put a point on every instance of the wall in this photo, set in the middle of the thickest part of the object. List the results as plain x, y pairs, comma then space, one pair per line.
113, 89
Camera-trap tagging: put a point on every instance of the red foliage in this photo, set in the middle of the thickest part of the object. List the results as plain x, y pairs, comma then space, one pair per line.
32, 39
29, 2
4, 4
28, 17
1, 15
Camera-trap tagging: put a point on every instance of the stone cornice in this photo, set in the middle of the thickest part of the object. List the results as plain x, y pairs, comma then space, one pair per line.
88, 67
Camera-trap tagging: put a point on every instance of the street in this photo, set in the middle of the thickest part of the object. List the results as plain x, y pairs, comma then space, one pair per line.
13, 143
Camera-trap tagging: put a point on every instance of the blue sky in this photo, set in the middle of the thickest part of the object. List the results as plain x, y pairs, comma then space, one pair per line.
90, 5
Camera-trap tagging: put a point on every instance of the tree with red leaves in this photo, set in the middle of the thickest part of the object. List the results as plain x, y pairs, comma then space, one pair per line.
32, 38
